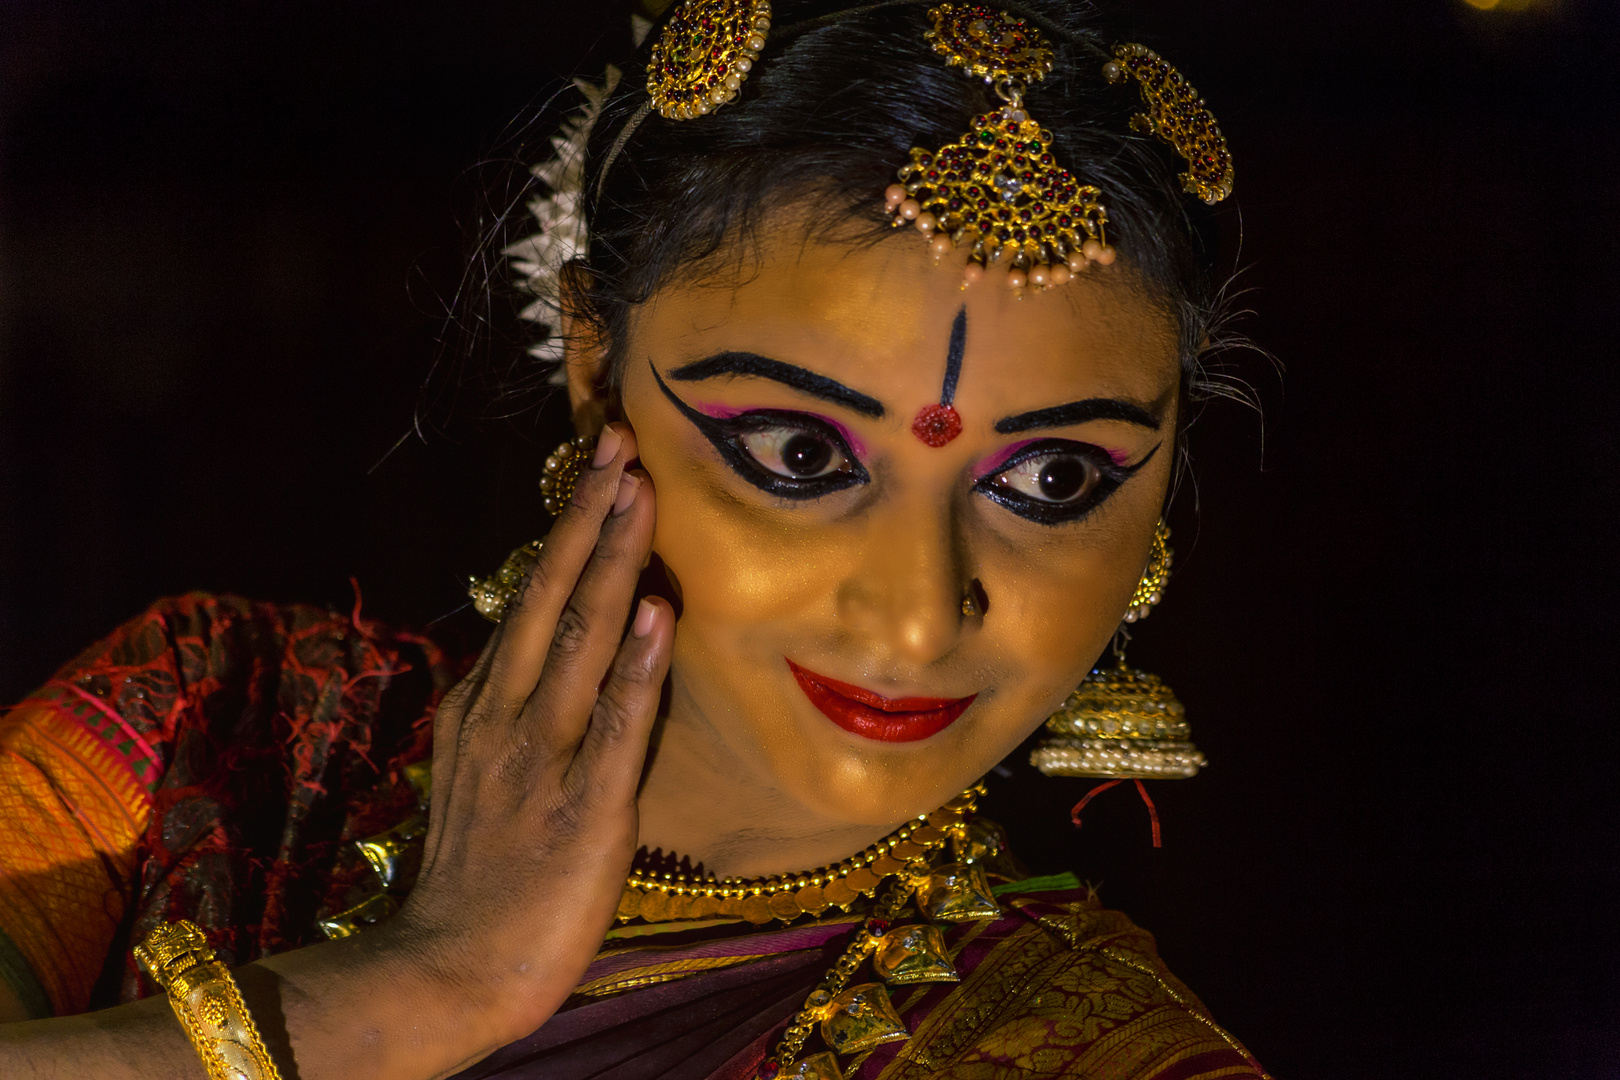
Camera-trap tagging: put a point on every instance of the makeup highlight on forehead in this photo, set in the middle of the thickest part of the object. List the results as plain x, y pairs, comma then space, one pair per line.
718, 411
998, 461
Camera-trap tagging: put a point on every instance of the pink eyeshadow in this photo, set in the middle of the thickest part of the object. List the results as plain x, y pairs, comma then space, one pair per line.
995, 462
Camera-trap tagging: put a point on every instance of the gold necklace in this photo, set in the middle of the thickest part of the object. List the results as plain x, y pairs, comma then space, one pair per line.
657, 897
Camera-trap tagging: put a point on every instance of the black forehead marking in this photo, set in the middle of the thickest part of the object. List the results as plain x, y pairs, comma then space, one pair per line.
953, 357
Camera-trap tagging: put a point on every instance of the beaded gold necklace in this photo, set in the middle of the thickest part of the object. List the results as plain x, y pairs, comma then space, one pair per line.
909, 868
657, 897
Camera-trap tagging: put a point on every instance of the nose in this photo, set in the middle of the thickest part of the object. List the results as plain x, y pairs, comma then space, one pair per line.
905, 593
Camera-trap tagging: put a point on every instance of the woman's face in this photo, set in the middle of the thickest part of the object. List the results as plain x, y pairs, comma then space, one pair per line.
823, 547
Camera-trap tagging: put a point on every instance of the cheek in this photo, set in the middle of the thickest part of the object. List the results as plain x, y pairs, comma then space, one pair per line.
740, 565
1051, 618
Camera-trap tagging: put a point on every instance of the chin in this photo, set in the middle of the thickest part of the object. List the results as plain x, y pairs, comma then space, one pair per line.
848, 777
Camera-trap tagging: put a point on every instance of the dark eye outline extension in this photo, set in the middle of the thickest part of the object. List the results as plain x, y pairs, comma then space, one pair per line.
724, 436
1055, 513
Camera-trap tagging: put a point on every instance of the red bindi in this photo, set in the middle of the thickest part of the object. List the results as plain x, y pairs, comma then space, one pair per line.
936, 425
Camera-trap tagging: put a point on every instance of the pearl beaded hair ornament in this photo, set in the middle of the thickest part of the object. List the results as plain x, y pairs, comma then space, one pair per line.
704, 54
998, 190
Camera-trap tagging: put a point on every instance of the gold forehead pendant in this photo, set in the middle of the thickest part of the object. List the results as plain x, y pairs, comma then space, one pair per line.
998, 190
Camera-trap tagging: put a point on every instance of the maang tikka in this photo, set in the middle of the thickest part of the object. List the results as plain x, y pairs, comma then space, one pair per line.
998, 190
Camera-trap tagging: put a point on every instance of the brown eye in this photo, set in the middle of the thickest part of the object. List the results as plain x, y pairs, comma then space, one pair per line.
793, 453
803, 455
1054, 478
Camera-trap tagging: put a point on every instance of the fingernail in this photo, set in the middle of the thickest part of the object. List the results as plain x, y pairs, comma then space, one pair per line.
646, 611
628, 486
607, 447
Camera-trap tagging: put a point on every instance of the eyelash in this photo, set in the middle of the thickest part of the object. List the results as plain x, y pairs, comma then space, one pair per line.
726, 436
1109, 477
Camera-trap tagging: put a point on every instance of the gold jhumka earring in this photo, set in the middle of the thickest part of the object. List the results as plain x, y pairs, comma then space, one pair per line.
1121, 723
558, 478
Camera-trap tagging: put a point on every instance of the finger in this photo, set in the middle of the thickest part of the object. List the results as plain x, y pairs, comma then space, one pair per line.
448, 720
614, 749
520, 656
590, 626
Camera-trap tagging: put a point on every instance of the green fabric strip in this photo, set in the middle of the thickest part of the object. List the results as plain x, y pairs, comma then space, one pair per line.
16, 973
1050, 883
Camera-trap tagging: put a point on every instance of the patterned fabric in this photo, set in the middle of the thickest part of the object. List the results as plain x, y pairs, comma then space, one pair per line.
1056, 987
75, 808
1060, 987
216, 758
211, 759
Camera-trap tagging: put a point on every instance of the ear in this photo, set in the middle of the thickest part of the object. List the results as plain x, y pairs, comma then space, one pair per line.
584, 354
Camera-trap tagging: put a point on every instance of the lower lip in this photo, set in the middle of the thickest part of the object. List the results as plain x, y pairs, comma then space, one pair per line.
878, 718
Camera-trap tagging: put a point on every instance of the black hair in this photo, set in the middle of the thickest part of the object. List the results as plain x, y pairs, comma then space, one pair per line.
829, 113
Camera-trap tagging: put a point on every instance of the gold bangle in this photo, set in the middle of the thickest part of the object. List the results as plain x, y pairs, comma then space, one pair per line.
205, 998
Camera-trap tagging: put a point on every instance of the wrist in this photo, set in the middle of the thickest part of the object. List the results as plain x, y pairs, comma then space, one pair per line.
382, 1005
493, 990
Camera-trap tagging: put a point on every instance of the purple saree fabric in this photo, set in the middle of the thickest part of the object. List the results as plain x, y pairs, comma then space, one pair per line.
1057, 986
683, 1030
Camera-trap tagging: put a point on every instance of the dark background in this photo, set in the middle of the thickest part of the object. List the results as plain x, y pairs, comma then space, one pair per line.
227, 232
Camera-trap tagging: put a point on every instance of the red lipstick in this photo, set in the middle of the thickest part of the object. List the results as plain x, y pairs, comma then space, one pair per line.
873, 716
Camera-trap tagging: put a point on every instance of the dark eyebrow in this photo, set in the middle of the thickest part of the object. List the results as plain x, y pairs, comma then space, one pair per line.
1078, 412
805, 381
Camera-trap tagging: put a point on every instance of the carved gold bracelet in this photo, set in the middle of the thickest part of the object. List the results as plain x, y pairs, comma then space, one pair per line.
205, 998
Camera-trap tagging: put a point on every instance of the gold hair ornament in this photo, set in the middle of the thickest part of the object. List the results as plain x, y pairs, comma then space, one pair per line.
205, 998
998, 190
704, 55
1177, 115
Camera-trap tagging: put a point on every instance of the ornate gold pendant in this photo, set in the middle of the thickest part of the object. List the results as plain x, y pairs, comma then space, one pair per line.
862, 1018
822, 1066
1000, 192
957, 892
998, 189
913, 954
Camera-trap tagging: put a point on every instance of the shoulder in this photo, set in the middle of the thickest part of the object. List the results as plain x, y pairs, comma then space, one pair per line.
1064, 987
255, 740
231, 670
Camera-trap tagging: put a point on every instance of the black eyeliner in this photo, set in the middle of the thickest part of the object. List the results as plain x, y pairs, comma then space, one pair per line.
1052, 513
723, 436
